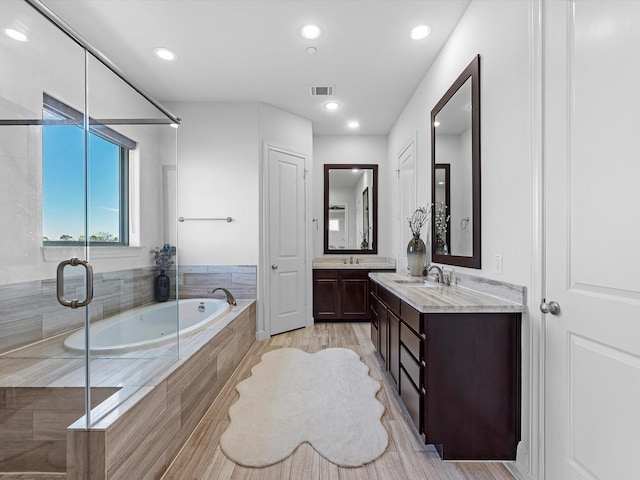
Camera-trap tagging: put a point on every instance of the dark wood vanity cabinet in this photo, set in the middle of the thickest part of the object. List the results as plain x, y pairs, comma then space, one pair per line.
458, 375
341, 294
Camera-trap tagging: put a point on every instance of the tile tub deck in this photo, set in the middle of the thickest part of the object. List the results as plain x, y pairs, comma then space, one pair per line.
145, 405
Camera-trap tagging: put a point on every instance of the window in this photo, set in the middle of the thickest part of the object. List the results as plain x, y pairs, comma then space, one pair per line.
75, 205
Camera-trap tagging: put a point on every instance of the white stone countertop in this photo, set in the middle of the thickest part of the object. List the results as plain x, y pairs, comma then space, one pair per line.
360, 262
426, 296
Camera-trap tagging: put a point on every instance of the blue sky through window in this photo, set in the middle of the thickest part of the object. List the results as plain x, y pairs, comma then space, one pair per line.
63, 184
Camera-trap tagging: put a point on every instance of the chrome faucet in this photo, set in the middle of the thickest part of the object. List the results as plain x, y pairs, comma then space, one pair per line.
351, 260
438, 272
230, 299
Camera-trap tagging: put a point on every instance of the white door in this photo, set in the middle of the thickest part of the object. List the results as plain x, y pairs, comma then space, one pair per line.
406, 200
286, 229
592, 229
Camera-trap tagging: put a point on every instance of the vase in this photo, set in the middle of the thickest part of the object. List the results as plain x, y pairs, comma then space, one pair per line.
416, 256
162, 286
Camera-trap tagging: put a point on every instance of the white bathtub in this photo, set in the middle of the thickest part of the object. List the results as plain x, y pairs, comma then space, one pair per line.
148, 326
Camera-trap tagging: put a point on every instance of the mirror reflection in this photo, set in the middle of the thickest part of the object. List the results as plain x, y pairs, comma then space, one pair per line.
455, 126
453, 148
350, 208
441, 208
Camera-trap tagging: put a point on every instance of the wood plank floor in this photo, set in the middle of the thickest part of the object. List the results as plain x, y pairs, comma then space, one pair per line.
405, 458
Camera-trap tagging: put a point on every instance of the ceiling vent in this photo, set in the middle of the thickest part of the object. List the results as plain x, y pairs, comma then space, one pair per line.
322, 91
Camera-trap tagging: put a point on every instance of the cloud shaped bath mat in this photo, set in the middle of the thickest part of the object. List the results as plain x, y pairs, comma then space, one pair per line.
326, 399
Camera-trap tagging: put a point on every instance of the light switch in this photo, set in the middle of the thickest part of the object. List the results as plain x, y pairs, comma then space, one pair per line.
498, 265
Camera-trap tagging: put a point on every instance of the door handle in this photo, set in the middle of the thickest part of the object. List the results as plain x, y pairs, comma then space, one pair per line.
74, 262
552, 307
274, 267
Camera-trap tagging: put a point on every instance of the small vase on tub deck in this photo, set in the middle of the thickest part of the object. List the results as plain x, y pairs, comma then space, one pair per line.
162, 287
163, 259
417, 253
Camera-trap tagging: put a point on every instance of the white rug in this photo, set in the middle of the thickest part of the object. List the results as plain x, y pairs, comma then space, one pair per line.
326, 399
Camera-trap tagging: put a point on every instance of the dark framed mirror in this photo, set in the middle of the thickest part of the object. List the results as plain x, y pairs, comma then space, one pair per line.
351, 209
455, 149
441, 205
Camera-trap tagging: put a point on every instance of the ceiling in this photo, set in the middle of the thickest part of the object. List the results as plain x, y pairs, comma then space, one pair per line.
252, 50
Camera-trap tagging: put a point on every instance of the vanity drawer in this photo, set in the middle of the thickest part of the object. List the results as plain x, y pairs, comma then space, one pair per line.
374, 316
373, 303
373, 287
390, 299
411, 317
349, 274
411, 398
374, 334
411, 366
325, 273
411, 341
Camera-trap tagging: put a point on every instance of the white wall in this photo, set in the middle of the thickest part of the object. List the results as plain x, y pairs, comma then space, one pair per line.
218, 177
220, 174
500, 32
219, 170
351, 149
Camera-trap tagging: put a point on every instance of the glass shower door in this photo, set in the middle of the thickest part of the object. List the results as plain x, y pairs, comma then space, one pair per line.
131, 197
87, 192
41, 384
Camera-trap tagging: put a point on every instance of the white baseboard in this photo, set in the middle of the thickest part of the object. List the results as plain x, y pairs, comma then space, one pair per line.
520, 468
261, 335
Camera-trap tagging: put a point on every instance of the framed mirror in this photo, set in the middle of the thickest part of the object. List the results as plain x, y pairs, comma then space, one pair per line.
455, 160
350, 208
441, 205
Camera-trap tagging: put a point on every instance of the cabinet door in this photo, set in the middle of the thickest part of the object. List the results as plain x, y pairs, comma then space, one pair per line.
394, 347
383, 328
354, 299
326, 302
412, 399
375, 325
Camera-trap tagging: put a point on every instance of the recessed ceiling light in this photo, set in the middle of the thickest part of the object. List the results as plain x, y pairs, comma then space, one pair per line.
310, 32
312, 50
436, 123
420, 32
353, 124
15, 34
332, 105
165, 54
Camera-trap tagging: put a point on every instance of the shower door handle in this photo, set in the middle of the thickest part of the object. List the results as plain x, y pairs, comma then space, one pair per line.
74, 262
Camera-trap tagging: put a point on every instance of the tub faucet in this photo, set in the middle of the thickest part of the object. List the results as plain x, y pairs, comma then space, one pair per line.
440, 276
230, 299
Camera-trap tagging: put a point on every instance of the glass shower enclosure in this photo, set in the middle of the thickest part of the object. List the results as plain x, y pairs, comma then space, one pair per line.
88, 191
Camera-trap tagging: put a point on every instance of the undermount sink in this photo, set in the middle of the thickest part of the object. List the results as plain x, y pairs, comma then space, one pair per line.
416, 282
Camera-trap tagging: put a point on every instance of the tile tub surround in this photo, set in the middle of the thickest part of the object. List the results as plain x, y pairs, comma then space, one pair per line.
197, 281
140, 438
33, 425
30, 312
172, 392
438, 298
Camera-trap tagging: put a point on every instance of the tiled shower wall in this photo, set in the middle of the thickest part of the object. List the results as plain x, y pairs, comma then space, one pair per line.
30, 312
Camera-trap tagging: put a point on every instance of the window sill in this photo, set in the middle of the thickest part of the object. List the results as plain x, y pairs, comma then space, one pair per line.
59, 253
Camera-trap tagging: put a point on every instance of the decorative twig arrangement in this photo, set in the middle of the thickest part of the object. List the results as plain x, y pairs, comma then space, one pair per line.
418, 219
